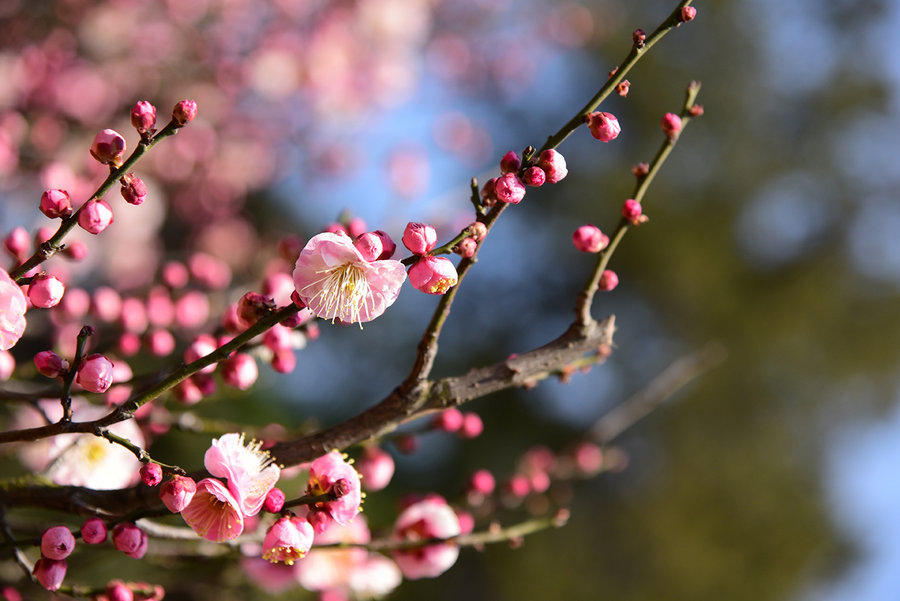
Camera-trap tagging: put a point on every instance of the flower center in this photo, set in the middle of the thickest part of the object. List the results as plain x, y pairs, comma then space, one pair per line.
343, 292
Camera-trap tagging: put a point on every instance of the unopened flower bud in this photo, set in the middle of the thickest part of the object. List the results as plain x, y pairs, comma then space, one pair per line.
95, 216
284, 361
449, 420
375, 467
387, 243
623, 87
589, 239
274, 500
340, 488
130, 540
687, 14
477, 231
553, 164
466, 247
184, 112
671, 124
57, 542
76, 250
369, 246
95, 373
252, 307
487, 192
50, 364
510, 163
638, 38
631, 210
640, 170
604, 126
472, 426
133, 189
696, 110
45, 291
509, 188
482, 482
534, 176
240, 371
608, 280
119, 591
177, 492
151, 474
108, 147
56, 203
419, 238
50, 572
17, 242
433, 275
93, 531
356, 227
143, 116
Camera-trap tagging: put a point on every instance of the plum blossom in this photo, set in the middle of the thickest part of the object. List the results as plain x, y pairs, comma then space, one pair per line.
429, 518
287, 540
330, 473
336, 282
12, 311
250, 472
213, 512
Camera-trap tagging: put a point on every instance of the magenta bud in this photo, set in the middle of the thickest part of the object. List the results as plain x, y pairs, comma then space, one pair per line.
151, 474
117, 590
17, 241
93, 531
133, 189
143, 116
509, 188
482, 482
177, 492
419, 238
510, 163
369, 246
356, 227
284, 361
608, 280
252, 307
671, 124
274, 500
95, 216
50, 364
604, 126
466, 247
433, 275
687, 14
387, 243
553, 164
472, 426
449, 420
45, 291
129, 539
631, 210
534, 176
50, 572
184, 112
57, 542
108, 147
589, 239
95, 374
375, 467
56, 203
239, 371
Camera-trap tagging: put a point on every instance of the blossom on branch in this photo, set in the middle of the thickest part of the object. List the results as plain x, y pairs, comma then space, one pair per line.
250, 472
213, 512
429, 518
331, 474
12, 311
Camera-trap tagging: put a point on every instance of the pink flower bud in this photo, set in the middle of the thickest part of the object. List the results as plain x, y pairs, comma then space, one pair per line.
553, 164
356, 227
274, 500
608, 280
478, 231
482, 483
95, 216
623, 87
95, 373
450, 420
375, 467
133, 189
589, 239
671, 124
488, 196
631, 210
175, 274
151, 474
510, 163
387, 243
369, 246
109, 147
287, 540
240, 371
119, 591
50, 364
638, 38
466, 521
588, 457
56, 203
130, 540
534, 176
509, 188
688, 13
278, 337
50, 572
160, 342
466, 247
184, 112
433, 275
76, 250
177, 493
419, 238
472, 426
7, 365
518, 486
57, 542
284, 361
93, 532
604, 126
17, 242
407, 443
252, 307
143, 116
45, 291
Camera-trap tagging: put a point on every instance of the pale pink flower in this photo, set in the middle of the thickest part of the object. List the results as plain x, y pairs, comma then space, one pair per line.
327, 473
213, 512
12, 311
250, 472
376, 467
176, 494
433, 275
337, 283
95, 373
429, 518
287, 540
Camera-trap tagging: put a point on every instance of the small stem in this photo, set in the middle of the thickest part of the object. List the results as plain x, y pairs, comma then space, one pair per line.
65, 399
310, 499
142, 455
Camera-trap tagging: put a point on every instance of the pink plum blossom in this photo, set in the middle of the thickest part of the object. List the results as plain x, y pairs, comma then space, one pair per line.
93, 531
509, 188
108, 147
376, 468
433, 275
50, 572
130, 540
12, 311
184, 112
419, 238
240, 371
213, 512
553, 164
250, 472
589, 239
429, 518
287, 540
55, 204
177, 493
334, 280
57, 542
328, 472
143, 116
95, 373
604, 126
45, 291
95, 216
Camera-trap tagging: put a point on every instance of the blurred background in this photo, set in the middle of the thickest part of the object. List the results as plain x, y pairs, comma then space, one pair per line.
773, 231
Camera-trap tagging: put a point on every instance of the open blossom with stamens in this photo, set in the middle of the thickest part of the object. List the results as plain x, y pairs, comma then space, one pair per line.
287, 540
336, 282
248, 469
330, 473
213, 512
